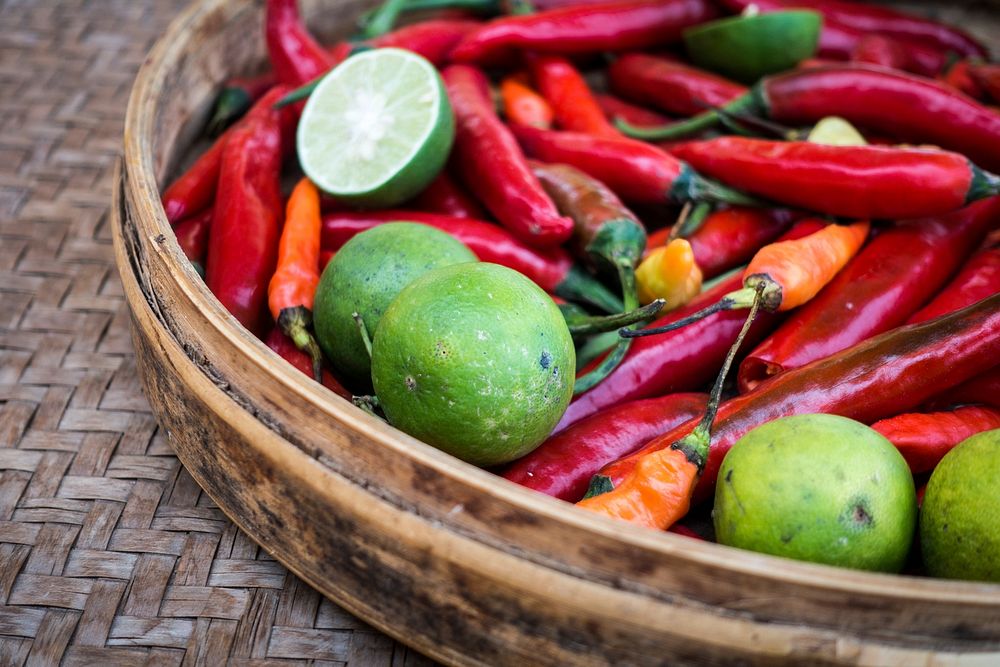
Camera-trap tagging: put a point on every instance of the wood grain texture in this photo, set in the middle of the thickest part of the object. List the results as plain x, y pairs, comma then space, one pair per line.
450, 559
110, 553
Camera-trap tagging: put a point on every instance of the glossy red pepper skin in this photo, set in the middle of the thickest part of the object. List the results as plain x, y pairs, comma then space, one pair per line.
194, 190
434, 39
897, 104
730, 237
887, 375
978, 279
611, 26
987, 77
493, 167
192, 236
924, 439
246, 221
447, 197
678, 89
984, 388
285, 348
865, 182
634, 115
892, 276
295, 56
570, 97
563, 465
889, 52
959, 77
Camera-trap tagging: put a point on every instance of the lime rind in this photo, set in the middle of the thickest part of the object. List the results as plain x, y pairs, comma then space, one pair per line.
377, 129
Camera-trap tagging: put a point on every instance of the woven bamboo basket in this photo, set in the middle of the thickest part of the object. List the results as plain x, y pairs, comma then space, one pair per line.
449, 559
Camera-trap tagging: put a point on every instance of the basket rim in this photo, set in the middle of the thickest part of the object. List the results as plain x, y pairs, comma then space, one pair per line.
143, 191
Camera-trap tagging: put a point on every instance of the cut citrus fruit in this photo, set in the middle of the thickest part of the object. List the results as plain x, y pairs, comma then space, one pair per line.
377, 129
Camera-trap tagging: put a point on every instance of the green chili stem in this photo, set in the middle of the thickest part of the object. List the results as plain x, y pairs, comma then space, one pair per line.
690, 220
605, 323
363, 330
383, 20
295, 323
630, 296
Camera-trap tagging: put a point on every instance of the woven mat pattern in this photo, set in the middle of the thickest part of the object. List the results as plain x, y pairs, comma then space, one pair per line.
110, 554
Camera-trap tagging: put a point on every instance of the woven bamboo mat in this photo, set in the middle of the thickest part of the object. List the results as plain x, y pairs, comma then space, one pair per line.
110, 554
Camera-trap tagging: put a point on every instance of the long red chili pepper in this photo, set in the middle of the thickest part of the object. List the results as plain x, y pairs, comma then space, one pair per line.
571, 99
984, 388
615, 108
192, 237
635, 171
285, 348
611, 26
987, 76
924, 439
897, 272
551, 269
524, 106
493, 166
292, 288
959, 77
978, 279
897, 104
886, 375
296, 57
434, 39
194, 190
447, 197
868, 18
668, 85
563, 465
243, 240
235, 98
887, 51
682, 360
849, 181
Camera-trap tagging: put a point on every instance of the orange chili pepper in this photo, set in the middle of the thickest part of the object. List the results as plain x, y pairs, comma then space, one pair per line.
671, 273
575, 107
522, 105
293, 287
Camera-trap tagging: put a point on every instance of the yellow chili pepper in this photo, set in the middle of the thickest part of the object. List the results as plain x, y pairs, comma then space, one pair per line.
669, 273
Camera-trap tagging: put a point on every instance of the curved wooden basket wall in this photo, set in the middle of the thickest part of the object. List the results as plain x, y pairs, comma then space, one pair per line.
456, 562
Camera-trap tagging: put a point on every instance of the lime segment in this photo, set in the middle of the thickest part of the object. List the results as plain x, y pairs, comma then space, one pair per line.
749, 47
377, 129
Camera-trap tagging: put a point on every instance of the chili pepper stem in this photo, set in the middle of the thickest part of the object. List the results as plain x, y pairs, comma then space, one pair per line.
295, 323
695, 446
369, 404
984, 184
363, 330
480, 6
689, 186
384, 18
749, 103
606, 323
232, 103
579, 285
630, 295
690, 220
517, 7
744, 298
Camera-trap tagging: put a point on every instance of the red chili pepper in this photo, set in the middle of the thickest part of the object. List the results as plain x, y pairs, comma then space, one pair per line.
243, 241
886, 375
730, 237
493, 166
897, 104
192, 237
959, 77
522, 105
683, 360
866, 18
447, 197
978, 279
987, 76
571, 99
285, 348
551, 269
237, 96
984, 388
615, 108
889, 279
194, 190
434, 39
668, 85
611, 26
924, 439
634, 170
563, 465
879, 182
296, 57
890, 52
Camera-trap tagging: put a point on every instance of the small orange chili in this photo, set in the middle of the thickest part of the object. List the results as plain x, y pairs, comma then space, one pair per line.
522, 105
293, 286
671, 273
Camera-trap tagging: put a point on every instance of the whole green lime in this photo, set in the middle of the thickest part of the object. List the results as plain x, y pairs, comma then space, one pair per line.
475, 360
365, 276
818, 488
959, 531
749, 47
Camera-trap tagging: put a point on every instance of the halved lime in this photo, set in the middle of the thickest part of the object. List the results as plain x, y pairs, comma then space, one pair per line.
377, 129
749, 47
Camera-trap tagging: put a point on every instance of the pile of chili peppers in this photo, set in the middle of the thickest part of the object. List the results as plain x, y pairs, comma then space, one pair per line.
600, 164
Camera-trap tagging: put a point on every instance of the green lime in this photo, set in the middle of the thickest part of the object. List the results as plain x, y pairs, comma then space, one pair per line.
365, 276
377, 129
749, 47
476, 360
818, 488
959, 531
